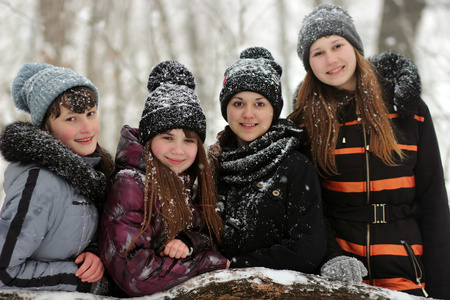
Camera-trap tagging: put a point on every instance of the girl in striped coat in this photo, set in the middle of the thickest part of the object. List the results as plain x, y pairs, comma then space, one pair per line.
372, 140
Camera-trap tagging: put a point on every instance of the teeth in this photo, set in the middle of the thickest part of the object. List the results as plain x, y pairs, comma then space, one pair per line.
334, 71
84, 140
248, 125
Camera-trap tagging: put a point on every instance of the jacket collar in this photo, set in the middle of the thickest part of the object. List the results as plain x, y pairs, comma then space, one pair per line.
25, 143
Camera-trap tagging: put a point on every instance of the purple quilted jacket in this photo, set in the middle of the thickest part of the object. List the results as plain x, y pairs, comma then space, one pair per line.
144, 272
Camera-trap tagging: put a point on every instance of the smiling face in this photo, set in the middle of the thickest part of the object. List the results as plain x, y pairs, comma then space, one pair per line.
175, 150
249, 115
333, 61
78, 131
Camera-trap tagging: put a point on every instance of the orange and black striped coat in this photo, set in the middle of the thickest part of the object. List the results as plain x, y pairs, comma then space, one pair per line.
394, 219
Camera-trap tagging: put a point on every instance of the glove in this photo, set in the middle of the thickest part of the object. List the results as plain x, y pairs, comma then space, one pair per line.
344, 268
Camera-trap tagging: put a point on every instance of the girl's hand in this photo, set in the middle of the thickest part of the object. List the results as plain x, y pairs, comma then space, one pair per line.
91, 269
175, 249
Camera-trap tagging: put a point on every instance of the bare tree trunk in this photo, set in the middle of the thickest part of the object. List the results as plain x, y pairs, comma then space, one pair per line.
56, 22
165, 27
399, 25
284, 50
97, 15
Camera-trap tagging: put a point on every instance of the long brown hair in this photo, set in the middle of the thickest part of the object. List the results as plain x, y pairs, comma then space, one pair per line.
163, 185
317, 108
78, 99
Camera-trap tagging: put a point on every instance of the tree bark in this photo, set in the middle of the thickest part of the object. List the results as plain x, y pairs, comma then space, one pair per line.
399, 25
56, 22
250, 283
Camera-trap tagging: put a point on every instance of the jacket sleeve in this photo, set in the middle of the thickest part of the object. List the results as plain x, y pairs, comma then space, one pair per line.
25, 218
143, 272
333, 248
198, 240
304, 247
434, 218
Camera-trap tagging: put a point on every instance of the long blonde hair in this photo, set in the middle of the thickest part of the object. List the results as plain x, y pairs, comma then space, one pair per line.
317, 108
162, 184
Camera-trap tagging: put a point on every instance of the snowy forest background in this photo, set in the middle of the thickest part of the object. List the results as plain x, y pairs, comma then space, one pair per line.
116, 43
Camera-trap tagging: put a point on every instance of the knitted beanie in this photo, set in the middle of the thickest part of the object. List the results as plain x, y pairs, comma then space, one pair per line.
37, 85
326, 20
256, 71
172, 102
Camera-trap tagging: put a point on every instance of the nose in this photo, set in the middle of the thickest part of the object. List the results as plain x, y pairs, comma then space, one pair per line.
86, 126
177, 148
248, 112
331, 58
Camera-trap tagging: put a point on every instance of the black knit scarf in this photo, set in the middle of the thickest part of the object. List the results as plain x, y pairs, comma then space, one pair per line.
262, 156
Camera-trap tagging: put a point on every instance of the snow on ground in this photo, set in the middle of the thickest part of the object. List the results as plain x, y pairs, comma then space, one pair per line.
283, 277
254, 275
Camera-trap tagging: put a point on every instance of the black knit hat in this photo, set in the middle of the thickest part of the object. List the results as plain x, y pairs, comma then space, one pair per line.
172, 102
256, 71
326, 20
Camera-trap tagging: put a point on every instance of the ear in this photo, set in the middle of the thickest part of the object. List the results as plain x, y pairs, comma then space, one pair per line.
46, 124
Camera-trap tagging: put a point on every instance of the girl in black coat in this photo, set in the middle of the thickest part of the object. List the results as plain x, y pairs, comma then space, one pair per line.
269, 194
373, 142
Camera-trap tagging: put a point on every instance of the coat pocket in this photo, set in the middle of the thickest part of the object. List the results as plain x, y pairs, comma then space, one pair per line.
416, 265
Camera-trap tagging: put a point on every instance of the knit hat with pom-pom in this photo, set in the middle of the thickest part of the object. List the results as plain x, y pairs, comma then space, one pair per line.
37, 85
172, 102
256, 71
326, 20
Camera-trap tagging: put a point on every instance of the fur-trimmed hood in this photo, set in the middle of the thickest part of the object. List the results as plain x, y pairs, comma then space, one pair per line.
25, 143
401, 85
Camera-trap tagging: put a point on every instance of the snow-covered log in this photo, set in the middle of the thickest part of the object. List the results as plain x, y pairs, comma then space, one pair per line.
251, 283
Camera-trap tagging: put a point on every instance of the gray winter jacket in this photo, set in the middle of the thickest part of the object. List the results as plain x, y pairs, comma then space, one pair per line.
46, 222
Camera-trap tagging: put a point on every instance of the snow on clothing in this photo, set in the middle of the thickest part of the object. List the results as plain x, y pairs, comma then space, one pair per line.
144, 272
410, 236
49, 215
269, 196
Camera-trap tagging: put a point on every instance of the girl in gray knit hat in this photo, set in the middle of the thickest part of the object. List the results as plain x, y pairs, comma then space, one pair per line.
160, 228
372, 140
54, 184
269, 193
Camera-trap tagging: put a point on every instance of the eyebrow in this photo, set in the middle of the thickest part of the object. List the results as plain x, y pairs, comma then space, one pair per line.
68, 113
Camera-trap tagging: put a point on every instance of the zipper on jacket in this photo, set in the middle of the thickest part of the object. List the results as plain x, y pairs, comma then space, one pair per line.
415, 262
366, 153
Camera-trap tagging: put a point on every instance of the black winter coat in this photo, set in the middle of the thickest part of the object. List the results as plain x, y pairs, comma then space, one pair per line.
269, 197
396, 219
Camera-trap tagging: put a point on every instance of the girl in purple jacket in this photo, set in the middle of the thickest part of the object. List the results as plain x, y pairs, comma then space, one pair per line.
158, 229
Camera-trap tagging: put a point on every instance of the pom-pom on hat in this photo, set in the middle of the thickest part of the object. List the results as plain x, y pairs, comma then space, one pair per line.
256, 71
37, 85
172, 102
326, 20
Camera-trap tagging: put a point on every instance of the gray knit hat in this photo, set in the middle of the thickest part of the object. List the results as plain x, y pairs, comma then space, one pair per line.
37, 85
256, 71
172, 102
325, 20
